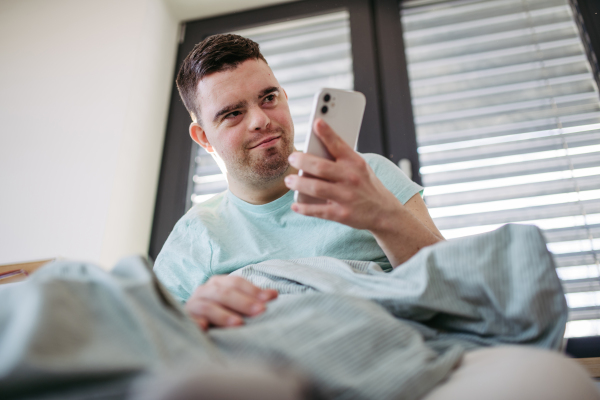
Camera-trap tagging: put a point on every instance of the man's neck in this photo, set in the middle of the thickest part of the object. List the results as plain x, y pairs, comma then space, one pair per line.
263, 193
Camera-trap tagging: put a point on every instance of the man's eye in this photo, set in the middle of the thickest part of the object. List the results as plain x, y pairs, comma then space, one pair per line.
269, 98
232, 115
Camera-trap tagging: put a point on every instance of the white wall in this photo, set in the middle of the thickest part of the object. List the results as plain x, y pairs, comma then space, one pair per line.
84, 91
84, 87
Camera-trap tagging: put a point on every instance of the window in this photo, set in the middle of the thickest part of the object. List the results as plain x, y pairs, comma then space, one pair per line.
507, 117
494, 103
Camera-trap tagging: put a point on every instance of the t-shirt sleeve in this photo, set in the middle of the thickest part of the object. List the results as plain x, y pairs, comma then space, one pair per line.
392, 177
184, 261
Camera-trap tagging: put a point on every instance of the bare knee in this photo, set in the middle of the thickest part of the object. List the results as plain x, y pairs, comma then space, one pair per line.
517, 372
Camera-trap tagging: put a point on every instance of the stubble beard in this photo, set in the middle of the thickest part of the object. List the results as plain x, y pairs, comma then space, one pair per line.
261, 168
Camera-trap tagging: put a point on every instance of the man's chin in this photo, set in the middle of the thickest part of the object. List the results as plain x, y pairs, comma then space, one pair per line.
271, 169
267, 165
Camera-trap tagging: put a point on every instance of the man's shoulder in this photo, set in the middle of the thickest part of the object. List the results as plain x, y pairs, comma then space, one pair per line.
210, 205
393, 178
378, 162
372, 157
202, 213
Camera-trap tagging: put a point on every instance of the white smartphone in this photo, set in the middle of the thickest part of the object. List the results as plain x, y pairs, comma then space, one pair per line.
343, 111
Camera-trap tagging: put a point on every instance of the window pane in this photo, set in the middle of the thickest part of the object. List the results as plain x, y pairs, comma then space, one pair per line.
508, 129
305, 55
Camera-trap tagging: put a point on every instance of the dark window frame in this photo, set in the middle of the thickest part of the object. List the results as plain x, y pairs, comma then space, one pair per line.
587, 17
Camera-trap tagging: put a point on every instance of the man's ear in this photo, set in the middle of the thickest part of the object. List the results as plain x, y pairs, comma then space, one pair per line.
199, 136
284, 92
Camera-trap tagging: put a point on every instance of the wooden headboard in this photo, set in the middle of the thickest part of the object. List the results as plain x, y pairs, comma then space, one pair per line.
17, 272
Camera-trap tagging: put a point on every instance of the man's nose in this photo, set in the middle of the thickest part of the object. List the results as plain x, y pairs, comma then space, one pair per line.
259, 119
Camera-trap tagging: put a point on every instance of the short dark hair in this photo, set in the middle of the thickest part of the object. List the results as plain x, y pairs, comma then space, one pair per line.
214, 54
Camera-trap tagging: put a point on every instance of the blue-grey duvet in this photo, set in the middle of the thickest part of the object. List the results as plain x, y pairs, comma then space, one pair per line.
75, 331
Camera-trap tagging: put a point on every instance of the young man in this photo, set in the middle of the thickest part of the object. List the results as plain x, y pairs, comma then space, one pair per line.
373, 212
241, 116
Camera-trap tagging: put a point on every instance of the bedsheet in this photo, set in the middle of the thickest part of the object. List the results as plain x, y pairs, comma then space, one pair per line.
351, 329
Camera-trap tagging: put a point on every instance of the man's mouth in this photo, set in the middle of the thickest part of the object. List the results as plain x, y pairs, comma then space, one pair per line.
266, 142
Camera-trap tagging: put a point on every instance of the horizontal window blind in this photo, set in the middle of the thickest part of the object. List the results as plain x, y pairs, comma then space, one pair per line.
507, 114
305, 55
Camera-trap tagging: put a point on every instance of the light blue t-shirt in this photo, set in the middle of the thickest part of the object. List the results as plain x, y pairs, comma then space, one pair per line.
226, 233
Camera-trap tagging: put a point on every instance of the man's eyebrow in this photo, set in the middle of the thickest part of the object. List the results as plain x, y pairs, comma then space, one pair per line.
268, 90
241, 104
228, 109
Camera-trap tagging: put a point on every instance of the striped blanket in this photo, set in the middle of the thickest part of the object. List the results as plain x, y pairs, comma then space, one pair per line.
351, 329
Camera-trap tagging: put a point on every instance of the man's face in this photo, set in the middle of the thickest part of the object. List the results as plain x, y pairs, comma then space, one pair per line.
246, 121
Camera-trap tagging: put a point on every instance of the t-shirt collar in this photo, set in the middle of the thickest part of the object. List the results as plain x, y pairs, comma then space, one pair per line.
285, 200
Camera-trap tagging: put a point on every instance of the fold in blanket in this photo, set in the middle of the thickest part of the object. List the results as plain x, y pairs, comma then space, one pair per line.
353, 330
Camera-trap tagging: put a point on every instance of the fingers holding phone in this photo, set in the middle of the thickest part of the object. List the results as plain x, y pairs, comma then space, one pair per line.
342, 111
351, 192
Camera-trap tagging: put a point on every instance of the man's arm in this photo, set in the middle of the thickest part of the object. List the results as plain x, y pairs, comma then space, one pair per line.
357, 198
223, 300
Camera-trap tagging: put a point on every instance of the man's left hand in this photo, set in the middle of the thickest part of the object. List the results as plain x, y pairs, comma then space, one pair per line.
356, 197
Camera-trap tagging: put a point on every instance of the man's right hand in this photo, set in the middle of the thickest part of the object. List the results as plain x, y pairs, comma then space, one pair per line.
224, 299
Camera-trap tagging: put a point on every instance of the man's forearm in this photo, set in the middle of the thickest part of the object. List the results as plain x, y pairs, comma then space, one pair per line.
401, 235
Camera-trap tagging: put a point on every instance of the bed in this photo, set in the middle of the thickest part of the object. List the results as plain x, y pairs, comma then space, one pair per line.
75, 330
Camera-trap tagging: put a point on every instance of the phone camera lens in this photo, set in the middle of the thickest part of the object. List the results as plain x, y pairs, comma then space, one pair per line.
326, 98
324, 109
